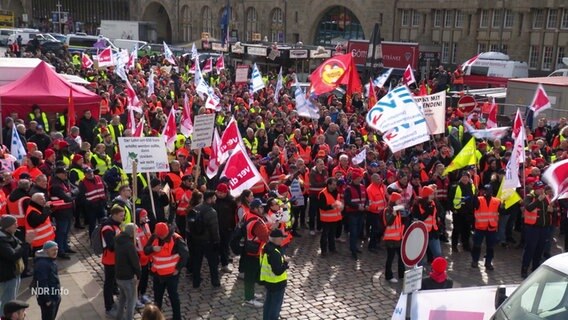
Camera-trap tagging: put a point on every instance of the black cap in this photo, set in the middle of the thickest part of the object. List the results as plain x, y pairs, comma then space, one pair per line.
60, 170
14, 306
277, 233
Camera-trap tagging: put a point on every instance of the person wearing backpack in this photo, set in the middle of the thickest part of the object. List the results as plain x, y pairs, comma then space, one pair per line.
204, 237
110, 228
257, 232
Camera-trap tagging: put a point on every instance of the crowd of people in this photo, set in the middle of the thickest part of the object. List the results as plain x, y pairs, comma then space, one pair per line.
310, 186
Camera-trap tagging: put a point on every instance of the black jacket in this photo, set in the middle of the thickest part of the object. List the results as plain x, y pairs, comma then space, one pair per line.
160, 202
429, 284
109, 235
226, 211
276, 263
46, 275
86, 127
11, 252
210, 232
127, 264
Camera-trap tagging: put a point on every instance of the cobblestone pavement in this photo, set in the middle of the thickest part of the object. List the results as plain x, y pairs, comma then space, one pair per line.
334, 287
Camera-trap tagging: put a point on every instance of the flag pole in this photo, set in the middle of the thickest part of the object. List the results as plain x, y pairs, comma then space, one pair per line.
151, 194
134, 188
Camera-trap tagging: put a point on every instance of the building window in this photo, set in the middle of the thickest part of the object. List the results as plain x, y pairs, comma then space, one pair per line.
481, 47
208, 24
252, 23
445, 52
437, 18
405, 17
504, 48
497, 20
534, 55
538, 18
459, 19
454, 52
564, 24
277, 27
484, 18
338, 25
559, 56
449, 18
416, 18
186, 23
547, 58
552, 19
509, 17
494, 47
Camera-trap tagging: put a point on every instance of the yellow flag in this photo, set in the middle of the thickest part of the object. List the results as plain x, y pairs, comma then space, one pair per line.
509, 197
466, 157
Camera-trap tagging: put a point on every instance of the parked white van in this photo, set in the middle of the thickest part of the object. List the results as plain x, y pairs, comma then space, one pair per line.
79, 43
129, 44
493, 69
26, 34
5, 33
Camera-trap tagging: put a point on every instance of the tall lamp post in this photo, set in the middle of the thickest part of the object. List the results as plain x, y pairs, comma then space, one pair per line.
58, 5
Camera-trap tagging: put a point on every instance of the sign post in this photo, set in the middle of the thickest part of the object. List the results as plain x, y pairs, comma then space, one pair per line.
412, 250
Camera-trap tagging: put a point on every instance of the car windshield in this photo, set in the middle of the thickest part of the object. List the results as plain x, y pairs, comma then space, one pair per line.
544, 295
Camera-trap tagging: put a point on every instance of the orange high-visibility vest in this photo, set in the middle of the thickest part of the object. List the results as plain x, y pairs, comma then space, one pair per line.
487, 216
251, 219
377, 198
16, 209
164, 262
395, 231
305, 154
3, 203
108, 258
530, 217
43, 233
431, 220
333, 214
141, 241
182, 199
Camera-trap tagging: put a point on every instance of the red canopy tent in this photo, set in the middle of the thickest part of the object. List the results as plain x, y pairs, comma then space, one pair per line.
44, 87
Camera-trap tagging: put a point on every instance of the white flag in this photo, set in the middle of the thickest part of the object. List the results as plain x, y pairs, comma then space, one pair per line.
169, 54
511, 180
489, 134
17, 147
200, 85
305, 107
213, 102
194, 53
279, 86
360, 157
257, 83
186, 125
151, 83
381, 80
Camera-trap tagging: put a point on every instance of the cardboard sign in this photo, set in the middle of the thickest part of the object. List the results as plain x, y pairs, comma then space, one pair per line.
149, 153
203, 131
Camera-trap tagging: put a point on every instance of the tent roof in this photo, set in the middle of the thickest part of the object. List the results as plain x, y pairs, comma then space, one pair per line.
44, 87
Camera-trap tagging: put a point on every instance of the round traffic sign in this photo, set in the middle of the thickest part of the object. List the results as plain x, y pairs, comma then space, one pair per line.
414, 244
467, 103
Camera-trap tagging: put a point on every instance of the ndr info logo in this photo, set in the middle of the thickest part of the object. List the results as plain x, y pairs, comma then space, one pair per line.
46, 291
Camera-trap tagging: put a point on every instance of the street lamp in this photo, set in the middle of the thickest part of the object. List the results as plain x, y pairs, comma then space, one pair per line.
58, 5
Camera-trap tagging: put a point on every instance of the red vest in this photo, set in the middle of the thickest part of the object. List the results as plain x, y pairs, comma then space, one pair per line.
182, 197
16, 209
487, 216
251, 220
59, 204
108, 258
164, 261
333, 214
430, 221
357, 197
43, 233
395, 231
141, 241
95, 189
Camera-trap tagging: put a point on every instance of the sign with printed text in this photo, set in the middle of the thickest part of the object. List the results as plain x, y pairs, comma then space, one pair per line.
203, 131
434, 109
412, 280
241, 74
149, 152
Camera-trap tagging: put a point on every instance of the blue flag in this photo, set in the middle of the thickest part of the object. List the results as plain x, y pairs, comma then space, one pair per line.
17, 147
225, 20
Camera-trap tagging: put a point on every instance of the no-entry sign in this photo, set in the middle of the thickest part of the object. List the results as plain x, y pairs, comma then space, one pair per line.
467, 103
414, 244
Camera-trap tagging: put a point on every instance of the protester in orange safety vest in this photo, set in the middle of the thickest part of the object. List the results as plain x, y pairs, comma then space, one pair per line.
425, 210
143, 234
38, 221
394, 230
330, 215
110, 228
169, 255
486, 225
182, 195
377, 195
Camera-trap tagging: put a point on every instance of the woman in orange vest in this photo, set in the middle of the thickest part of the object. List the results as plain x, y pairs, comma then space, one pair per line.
142, 235
425, 210
394, 230
486, 222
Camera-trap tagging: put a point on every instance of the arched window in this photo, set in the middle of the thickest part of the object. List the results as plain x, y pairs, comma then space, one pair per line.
277, 26
251, 23
186, 24
208, 22
337, 25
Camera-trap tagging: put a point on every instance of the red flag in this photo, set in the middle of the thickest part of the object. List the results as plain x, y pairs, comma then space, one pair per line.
131, 120
208, 67
186, 127
133, 100
556, 176
540, 101
469, 62
492, 118
70, 111
333, 72
213, 166
372, 95
86, 62
192, 69
229, 140
169, 133
105, 58
408, 76
220, 64
139, 132
517, 124
240, 171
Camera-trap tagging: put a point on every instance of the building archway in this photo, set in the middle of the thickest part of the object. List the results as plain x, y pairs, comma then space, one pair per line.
156, 12
337, 25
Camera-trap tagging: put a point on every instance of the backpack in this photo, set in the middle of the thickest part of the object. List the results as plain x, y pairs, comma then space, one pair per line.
239, 243
97, 240
195, 222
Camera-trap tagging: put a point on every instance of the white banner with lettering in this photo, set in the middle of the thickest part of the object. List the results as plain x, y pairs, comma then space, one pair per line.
434, 109
149, 152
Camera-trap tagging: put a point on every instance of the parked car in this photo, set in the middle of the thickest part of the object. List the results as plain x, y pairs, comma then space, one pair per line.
59, 36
